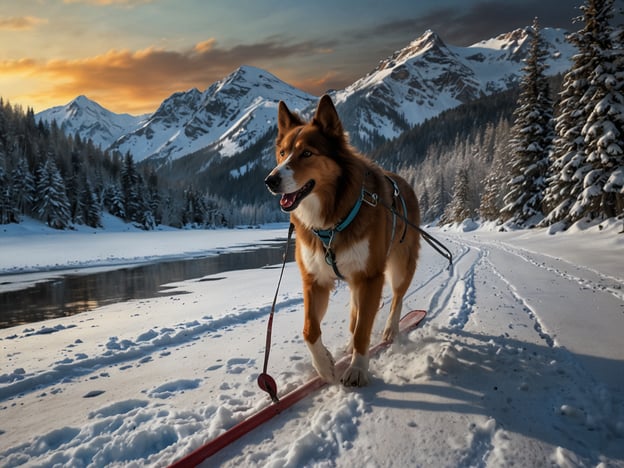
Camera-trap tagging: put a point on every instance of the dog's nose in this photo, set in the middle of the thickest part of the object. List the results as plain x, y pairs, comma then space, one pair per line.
273, 182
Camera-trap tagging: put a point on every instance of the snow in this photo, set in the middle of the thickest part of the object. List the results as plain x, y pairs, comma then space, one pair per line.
519, 361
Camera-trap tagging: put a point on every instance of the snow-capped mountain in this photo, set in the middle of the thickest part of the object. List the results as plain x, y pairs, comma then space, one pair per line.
428, 77
90, 120
415, 83
230, 115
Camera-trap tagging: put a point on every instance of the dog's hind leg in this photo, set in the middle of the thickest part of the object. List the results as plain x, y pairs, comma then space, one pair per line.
315, 301
368, 294
400, 272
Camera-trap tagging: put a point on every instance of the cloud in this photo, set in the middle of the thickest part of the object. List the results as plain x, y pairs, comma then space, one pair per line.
320, 85
138, 81
129, 3
20, 23
466, 25
205, 46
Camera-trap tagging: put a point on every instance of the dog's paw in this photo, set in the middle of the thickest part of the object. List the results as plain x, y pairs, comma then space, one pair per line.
354, 377
323, 361
356, 374
390, 333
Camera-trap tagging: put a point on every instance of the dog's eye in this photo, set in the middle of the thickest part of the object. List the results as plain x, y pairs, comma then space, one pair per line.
282, 153
306, 154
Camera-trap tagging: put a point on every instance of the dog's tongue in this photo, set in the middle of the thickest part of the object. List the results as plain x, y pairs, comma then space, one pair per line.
288, 199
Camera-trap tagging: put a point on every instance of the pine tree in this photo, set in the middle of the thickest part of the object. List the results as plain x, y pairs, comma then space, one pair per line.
436, 200
52, 205
458, 209
130, 189
531, 141
603, 132
6, 206
491, 203
91, 213
114, 201
589, 125
22, 188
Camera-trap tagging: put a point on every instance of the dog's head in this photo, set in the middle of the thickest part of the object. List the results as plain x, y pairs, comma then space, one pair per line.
307, 155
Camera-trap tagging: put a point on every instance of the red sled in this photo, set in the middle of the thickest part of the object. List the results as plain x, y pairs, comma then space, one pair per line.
408, 322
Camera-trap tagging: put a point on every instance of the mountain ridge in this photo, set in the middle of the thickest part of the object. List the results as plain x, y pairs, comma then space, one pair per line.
406, 88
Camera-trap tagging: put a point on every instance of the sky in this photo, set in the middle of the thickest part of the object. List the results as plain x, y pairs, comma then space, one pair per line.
130, 55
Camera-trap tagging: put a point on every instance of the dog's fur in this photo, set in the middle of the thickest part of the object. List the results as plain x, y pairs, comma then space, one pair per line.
320, 177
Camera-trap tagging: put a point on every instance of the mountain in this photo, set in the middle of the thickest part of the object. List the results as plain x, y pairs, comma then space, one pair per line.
428, 77
229, 116
233, 115
91, 121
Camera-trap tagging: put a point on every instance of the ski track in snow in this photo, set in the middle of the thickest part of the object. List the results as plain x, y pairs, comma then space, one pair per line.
588, 278
485, 381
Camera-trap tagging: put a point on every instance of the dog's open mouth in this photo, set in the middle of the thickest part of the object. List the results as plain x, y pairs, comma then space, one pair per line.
290, 201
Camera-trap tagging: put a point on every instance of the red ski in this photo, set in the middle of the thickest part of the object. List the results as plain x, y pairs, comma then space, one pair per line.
408, 322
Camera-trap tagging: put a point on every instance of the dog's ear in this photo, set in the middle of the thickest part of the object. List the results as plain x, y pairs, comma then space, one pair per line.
286, 119
327, 118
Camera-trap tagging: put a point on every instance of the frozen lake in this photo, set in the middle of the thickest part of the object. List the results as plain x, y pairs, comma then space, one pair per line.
28, 298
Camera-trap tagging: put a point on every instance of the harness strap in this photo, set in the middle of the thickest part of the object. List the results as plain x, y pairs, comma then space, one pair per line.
327, 235
397, 194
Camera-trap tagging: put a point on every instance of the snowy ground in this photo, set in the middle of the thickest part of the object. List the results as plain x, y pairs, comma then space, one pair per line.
519, 362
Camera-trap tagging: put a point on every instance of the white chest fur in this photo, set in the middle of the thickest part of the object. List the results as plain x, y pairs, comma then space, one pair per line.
349, 261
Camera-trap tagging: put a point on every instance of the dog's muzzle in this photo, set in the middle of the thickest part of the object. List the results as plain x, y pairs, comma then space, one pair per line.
273, 182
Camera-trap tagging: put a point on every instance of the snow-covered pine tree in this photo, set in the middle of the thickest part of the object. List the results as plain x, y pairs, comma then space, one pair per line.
130, 189
491, 202
602, 193
531, 141
423, 202
6, 205
22, 188
52, 205
113, 200
458, 209
91, 212
569, 190
437, 200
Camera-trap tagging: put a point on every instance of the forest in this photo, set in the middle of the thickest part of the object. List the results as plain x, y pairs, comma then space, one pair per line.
64, 181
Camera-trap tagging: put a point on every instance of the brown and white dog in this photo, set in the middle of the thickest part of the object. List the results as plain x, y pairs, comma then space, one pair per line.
339, 202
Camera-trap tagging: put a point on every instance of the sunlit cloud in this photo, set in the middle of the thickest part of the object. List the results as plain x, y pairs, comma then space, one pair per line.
109, 2
320, 85
205, 46
20, 23
138, 81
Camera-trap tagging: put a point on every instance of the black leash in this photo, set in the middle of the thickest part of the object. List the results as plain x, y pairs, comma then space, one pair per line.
265, 381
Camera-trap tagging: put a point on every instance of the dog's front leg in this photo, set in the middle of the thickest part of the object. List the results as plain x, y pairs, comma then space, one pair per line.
368, 294
315, 300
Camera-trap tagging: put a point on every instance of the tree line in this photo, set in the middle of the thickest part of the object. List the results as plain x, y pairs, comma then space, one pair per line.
65, 181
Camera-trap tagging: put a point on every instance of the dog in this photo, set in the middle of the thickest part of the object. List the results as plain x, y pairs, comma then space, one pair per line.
349, 217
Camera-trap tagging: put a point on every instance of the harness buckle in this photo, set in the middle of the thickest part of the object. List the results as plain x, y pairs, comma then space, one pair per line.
374, 198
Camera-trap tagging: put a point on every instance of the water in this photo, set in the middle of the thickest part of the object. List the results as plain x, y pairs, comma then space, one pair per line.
81, 290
